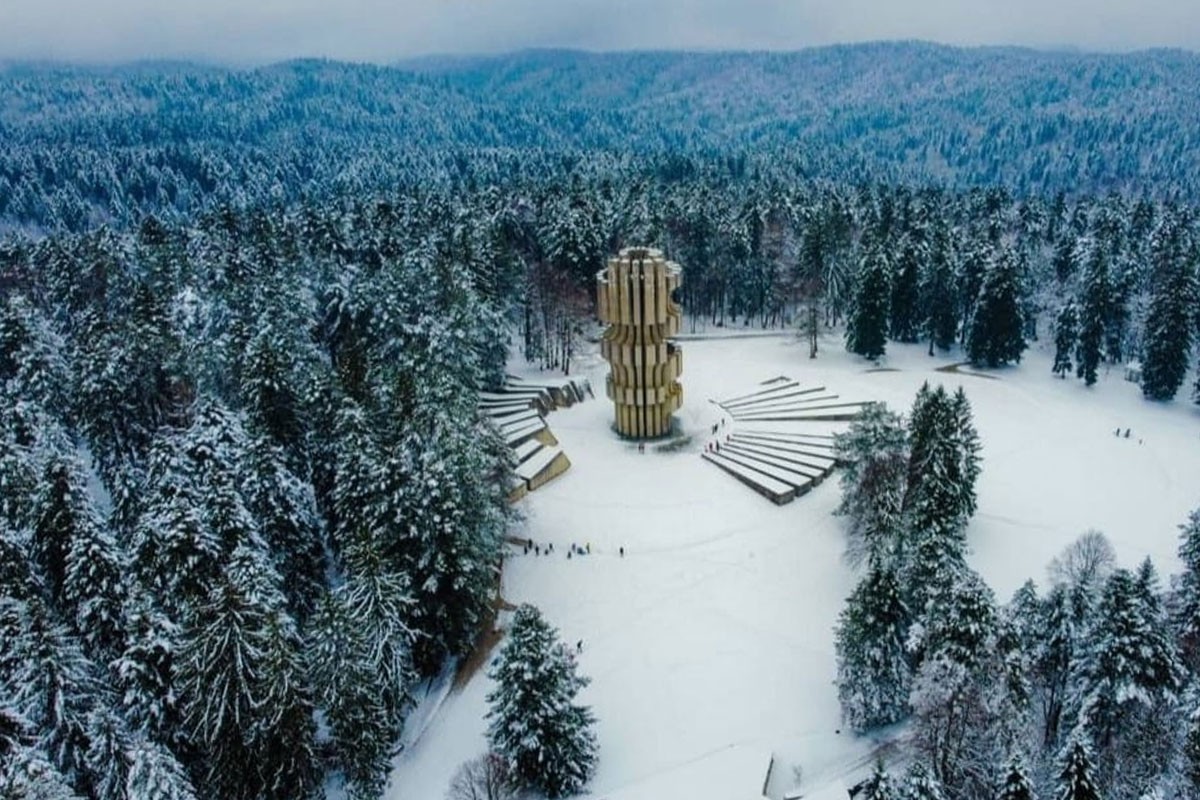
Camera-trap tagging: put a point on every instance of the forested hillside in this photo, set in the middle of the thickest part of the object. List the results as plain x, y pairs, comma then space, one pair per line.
82, 146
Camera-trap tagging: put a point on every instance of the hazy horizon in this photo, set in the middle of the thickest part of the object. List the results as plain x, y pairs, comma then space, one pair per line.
225, 32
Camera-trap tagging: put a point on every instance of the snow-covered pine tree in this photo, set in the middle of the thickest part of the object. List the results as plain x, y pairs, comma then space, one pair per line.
1014, 782
905, 309
1075, 781
1093, 315
943, 461
1066, 331
866, 330
959, 621
977, 256
873, 454
285, 510
962, 690
940, 497
879, 785
145, 670
534, 721
244, 705
154, 774
360, 667
996, 334
105, 758
938, 291
29, 775
49, 681
919, 784
873, 672
1187, 604
1128, 680
1191, 749
267, 387
1053, 659
1169, 331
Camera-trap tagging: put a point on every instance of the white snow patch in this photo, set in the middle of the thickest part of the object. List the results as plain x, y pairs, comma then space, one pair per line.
731, 773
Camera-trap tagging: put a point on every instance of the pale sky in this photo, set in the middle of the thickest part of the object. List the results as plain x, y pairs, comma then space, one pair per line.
256, 31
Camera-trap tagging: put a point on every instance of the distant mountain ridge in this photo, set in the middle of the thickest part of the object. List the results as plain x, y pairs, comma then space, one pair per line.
1032, 121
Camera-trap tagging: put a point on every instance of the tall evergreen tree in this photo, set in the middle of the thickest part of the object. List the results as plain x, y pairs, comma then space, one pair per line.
1093, 315
1169, 332
1014, 783
1066, 332
873, 453
1129, 677
905, 301
938, 292
243, 703
873, 672
866, 330
360, 663
534, 722
1187, 605
1075, 780
997, 334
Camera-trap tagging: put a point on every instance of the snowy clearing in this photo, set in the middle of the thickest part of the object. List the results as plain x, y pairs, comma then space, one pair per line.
715, 628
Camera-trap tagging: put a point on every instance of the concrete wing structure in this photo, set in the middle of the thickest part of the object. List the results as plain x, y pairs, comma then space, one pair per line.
633, 297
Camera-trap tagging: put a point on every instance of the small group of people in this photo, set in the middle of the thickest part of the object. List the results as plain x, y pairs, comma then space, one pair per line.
1117, 432
715, 445
585, 549
537, 548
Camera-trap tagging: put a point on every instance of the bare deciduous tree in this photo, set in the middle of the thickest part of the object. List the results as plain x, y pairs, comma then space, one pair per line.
1085, 562
485, 777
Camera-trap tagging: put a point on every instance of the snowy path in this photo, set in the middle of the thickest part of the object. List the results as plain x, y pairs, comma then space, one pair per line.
716, 627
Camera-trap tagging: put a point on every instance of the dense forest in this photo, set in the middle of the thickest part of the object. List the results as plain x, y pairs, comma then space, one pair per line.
247, 504
81, 146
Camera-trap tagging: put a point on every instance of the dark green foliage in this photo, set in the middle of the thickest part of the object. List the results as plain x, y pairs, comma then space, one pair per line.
1187, 606
938, 292
1066, 331
244, 706
943, 466
534, 722
1191, 751
1075, 781
1128, 682
1014, 782
360, 664
996, 333
905, 323
1169, 331
873, 671
866, 332
1093, 316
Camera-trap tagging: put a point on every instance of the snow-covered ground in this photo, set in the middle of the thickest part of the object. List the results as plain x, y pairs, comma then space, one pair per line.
715, 629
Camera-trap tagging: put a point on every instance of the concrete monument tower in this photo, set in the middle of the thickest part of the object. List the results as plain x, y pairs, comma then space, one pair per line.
633, 296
